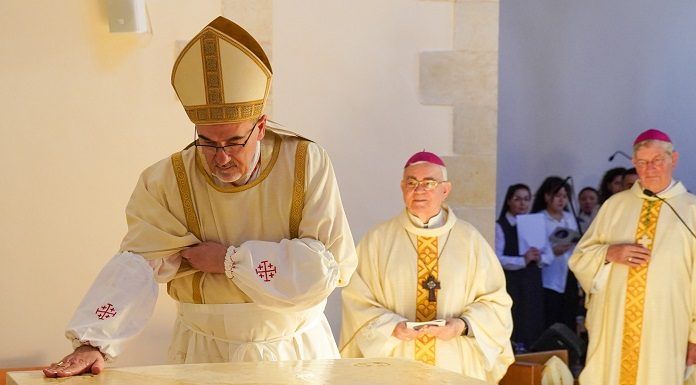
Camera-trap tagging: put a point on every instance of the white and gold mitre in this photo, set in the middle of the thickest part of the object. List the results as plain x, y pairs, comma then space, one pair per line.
222, 75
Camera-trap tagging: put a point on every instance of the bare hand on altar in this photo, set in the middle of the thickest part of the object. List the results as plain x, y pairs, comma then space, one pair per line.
629, 254
691, 354
453, 328
406, 334
208, 257
84, 359
532, 255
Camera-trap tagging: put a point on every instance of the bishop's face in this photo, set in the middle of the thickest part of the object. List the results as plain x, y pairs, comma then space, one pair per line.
655, 166
420, 201
232, 163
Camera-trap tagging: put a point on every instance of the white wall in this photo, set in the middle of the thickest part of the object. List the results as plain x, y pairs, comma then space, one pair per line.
580, 79
346, 75
84, 111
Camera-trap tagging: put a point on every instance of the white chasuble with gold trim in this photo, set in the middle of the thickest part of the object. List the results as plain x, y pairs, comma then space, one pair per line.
639, 319
286, 298
388, 287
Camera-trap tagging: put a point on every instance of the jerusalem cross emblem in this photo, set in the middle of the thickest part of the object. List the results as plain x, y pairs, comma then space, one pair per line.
266, 270
105, 311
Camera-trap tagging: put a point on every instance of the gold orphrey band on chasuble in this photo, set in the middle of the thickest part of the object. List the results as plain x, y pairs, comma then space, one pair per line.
635, 296
426, 310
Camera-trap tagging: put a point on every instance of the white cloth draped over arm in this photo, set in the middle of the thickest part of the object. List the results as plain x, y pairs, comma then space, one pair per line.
310, 267
297, 274
116, 307
126, 287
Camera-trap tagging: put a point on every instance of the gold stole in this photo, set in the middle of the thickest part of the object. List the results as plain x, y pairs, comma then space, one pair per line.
193, 224
426, 310
635, 296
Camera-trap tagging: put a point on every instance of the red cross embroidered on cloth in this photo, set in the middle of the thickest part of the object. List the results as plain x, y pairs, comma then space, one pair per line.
105, 311
266, 271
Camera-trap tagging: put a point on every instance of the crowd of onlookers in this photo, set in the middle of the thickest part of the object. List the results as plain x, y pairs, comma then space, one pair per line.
544, 291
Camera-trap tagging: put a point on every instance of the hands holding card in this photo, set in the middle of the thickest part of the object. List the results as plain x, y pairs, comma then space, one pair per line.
440, 328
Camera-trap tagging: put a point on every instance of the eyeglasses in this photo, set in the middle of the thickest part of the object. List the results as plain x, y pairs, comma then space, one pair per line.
229, 149
657, 162
428, 184
520, 199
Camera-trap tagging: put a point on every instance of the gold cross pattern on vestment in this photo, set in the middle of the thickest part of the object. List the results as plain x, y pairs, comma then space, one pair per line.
431, 284
645, 241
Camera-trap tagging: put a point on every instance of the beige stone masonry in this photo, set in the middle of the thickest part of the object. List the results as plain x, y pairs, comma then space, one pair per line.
467, 79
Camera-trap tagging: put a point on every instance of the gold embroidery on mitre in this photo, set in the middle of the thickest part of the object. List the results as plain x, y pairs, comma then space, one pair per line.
426, 310
634, 305
202, 70
225, 112
212, 71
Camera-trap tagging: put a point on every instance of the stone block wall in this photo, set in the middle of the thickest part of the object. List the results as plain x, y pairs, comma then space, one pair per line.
467, 79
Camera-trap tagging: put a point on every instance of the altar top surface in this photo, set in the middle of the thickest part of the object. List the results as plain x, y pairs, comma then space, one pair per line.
386, 371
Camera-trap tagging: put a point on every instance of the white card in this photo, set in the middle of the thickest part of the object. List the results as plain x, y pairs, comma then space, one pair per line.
418, 325
531, 232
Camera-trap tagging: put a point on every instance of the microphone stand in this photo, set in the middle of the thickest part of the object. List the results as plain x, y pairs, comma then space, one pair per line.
572, 207
652, 194
570, 200
611, 158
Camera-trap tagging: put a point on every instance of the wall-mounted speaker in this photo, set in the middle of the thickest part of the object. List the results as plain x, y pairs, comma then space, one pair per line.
128, 16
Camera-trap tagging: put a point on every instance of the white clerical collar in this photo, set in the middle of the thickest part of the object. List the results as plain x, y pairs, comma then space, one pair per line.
433, 223
671, 184
639, 188
512, 219
674, 188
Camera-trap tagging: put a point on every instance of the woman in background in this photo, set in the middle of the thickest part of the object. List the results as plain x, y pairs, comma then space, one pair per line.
560, 285
522, 270
589, 204
612, 182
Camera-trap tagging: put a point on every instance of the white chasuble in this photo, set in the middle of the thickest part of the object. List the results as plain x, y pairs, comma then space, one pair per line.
390, 285
293, 247
639, 319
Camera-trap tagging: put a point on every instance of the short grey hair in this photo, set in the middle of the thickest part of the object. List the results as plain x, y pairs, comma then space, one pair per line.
667, 146
444, 172
443, 169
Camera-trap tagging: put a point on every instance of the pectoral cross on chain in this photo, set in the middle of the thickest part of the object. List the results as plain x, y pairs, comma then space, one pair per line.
645, 241
431, 284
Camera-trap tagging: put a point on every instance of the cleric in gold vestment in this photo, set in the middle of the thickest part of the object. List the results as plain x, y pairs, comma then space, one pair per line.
245, 226
422, 265
637, 265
